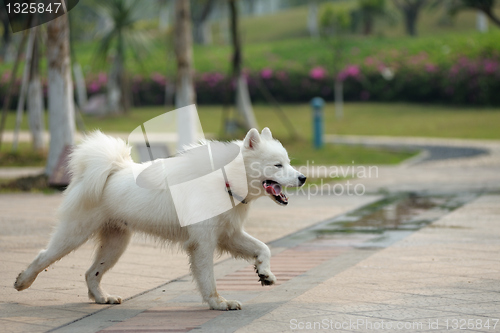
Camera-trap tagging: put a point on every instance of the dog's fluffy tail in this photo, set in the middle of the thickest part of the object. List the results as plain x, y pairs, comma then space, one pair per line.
94, 160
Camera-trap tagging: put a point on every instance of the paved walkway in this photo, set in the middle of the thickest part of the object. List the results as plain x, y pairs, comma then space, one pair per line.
444, 274
59, 295
18, 172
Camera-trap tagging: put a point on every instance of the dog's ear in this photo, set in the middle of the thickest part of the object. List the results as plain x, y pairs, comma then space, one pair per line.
252, 139
266, 134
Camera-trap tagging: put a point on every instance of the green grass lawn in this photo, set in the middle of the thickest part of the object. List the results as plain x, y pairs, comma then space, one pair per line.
391, 119
292, 23
24, 156
395, 119
302, 53
280, 41
302, 153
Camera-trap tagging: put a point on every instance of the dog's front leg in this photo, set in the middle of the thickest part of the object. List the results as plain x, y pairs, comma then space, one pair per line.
243, 245
201, 256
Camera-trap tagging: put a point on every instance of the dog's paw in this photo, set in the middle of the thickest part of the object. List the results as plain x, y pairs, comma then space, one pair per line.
105, 299
266, 278
112, 299
223, 304
109, 300
22, 282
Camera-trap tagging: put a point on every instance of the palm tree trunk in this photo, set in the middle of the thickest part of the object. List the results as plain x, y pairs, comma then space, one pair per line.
367, 24
24, 88
243, 103
114, 86
493, 17
6, 48
163, 15
10, 89
184, 92
81, 90
411, 16
202, 30
60, 94
35, 101
312, 19
410, 11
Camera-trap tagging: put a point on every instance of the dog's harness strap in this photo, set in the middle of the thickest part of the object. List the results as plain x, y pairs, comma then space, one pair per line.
234, 195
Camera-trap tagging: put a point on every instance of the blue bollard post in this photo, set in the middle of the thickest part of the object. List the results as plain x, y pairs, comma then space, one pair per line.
317, 104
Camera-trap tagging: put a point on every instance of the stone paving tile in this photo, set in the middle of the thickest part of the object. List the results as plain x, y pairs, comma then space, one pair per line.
346, 306
493, 315
460, 322
477, 297
43, 297
195, 298
412, 300
22, 326
285, 266
271, 326
435, 290
165, 319
403, 313
35, 318
290, 321
487, 285
13, 311
472, 308
300, 311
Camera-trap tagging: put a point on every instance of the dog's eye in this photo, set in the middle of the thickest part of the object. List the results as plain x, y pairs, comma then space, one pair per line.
279, 165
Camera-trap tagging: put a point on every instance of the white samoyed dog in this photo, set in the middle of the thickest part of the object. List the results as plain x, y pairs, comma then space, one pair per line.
104, 202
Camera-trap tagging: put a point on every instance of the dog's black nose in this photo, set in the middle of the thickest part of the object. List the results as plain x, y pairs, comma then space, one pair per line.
302, 179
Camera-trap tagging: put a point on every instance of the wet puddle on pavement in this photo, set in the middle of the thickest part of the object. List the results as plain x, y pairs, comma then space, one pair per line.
408, 211
384, 221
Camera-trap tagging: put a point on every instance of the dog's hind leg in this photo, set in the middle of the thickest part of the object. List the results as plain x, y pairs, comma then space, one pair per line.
65, 239
111, 243
201, 256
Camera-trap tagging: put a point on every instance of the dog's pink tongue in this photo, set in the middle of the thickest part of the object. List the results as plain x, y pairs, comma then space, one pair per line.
268, 189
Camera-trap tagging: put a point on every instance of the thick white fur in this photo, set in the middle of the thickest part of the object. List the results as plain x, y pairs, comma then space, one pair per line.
103, 202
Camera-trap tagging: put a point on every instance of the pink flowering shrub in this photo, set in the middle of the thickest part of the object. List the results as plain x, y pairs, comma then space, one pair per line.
389, 76
266, 73
473, 81
318, 73
352, 71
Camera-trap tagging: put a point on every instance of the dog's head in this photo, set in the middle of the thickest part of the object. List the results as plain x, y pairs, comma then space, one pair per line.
268, 166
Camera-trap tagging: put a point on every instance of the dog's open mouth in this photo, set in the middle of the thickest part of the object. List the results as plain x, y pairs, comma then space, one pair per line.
275, 190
